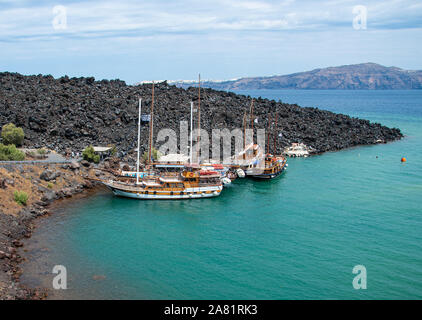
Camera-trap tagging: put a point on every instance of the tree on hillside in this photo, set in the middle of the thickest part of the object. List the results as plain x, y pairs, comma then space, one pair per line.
10, 153
89, 155
11, 134
155, 154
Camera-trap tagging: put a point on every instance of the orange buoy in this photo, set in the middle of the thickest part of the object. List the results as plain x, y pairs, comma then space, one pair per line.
403, 159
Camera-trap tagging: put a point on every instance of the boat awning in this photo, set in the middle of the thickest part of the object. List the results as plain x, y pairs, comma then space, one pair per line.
151, 183
210, 176
193, 165
102, 149
174, 158
170, 179
169, 166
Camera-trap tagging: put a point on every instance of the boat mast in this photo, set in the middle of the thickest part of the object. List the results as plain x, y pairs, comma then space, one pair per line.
268, 133
139, 140
151, 126
244, 136
198, 141
191, 132
275, 133
251, 114
252, 120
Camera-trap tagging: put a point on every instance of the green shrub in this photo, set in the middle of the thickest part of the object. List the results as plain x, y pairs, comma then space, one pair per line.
113, 150
11, 134
10, 153
37, 154
50, 185
31, 154
89, 155
42, 151
155, 154
21, 197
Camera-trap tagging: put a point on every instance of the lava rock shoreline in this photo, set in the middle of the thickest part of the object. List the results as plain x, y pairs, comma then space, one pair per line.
72, 113
17, 223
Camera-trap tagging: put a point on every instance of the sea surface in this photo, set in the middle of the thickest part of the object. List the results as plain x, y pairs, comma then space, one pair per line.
296, 237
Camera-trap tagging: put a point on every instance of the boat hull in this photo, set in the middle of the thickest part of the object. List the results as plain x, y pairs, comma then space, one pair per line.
267, 176
195, 193
264, 176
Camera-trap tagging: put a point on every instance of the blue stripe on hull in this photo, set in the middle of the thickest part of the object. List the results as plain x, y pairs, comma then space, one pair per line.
141, 196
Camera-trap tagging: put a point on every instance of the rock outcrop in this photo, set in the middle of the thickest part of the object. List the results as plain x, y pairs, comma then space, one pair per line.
72, 113
17, 221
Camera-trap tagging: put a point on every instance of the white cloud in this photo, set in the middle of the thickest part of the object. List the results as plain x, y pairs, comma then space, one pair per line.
250, 5
225, 38
115, 18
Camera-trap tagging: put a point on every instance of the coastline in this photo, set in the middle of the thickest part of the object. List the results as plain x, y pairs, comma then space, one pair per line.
37, 251
17, 225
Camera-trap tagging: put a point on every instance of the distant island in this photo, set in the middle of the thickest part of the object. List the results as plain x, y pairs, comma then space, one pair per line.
365, 76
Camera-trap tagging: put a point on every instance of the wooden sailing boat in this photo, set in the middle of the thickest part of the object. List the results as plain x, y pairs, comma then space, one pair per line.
255, 162
269, 166
189, 183
251, 153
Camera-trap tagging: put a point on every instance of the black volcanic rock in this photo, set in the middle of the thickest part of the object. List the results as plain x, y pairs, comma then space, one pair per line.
72, 113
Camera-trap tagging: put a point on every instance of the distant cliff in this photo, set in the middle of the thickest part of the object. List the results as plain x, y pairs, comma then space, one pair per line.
365, 76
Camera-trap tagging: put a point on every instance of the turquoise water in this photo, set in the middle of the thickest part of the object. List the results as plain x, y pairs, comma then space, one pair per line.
296, 237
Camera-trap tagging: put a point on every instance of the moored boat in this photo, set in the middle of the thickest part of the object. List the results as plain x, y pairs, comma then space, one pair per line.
187, 184
270, 168
171, 178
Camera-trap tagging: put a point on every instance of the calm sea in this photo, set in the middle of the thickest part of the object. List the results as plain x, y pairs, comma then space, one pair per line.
296, 237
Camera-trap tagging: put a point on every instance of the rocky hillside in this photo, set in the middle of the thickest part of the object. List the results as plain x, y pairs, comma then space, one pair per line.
43, 184
71, 113
363, 76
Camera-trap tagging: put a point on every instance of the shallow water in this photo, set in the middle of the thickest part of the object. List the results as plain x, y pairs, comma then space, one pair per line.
296, 237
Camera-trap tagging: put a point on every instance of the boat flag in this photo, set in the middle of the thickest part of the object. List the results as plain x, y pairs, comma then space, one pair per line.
146, 118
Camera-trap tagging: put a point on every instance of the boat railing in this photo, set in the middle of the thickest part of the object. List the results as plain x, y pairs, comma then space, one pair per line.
170, 174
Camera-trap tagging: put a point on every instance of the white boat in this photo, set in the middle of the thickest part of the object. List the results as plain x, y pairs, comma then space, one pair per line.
240, 173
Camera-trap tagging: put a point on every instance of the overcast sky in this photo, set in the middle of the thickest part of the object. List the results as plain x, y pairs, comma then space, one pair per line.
221, 39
